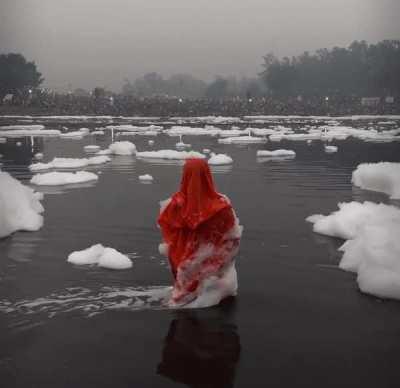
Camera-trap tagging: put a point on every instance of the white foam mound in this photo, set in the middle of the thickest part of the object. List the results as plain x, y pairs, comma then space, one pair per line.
280, 152
146, 178
178, 130
122, 148
372, 249
242, 140
216, 288
63, 178
170, 154
330, 149
220, 159
69, 163
20, 206
382, 176
102, 256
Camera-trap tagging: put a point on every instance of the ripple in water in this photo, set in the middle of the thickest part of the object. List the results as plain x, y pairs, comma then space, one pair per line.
87, 302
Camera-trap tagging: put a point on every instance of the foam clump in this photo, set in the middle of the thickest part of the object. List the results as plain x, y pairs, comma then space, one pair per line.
280, 152
382, 176
56, 178
122, 148
242, 140
170, 154
20, 207
69, 163
146, 178
330, 149
372, 249
102, 256
219, 159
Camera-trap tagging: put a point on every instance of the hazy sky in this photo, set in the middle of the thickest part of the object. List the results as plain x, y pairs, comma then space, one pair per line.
84, 43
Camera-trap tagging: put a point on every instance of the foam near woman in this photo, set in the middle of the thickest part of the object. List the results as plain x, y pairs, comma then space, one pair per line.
201, 236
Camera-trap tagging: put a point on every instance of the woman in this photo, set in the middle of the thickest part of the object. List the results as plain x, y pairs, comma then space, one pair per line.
201, 236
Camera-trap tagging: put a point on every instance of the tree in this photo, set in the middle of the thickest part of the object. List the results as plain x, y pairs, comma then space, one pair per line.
16, 74
359, 70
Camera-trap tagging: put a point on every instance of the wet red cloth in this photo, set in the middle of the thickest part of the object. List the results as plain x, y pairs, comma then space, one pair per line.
197, 216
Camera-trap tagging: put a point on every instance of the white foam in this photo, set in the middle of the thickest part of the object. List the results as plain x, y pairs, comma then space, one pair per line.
220, 159
122, 148
69, 163
372, 249
280, 152
330, 149
179, 130
242, 140
169, 154
382, 176
103, 256
20, 206
146, 178
63, 178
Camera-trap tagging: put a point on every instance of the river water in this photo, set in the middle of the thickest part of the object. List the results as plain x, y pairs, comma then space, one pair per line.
298, 320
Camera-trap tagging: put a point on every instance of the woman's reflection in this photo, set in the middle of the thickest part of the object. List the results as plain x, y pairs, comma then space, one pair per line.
202, 347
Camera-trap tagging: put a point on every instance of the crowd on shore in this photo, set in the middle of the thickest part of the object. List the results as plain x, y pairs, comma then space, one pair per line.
118, 104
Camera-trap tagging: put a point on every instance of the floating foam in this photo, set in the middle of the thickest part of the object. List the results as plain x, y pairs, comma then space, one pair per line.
372, 249
382, 176
330, 149
170, 154
20, 206
280, 152
122, 148
242, 140
220, 159
63, 178
146, 178
102, 256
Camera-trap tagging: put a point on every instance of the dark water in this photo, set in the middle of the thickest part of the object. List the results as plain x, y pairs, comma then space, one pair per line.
298, 321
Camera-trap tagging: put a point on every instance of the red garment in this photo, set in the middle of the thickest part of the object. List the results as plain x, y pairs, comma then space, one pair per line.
197, 217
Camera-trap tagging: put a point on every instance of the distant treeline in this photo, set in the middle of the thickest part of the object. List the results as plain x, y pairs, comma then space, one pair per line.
362, 69
187, 86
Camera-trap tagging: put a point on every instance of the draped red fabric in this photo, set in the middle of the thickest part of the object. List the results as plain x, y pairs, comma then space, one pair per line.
197, 216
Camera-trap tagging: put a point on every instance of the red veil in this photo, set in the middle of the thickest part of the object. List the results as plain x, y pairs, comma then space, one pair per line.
196, 226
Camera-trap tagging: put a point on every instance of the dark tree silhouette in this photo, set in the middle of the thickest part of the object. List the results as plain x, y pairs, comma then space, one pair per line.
17, 74
359, 70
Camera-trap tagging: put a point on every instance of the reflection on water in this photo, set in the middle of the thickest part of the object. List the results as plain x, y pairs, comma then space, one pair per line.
22, 247
202, 348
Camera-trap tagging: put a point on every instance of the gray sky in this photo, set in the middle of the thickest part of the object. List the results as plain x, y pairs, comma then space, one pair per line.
87, 43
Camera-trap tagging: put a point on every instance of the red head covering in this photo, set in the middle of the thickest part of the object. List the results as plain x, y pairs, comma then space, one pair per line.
197, 199
196, 214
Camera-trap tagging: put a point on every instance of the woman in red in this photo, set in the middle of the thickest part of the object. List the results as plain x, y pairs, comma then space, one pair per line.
201, 236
